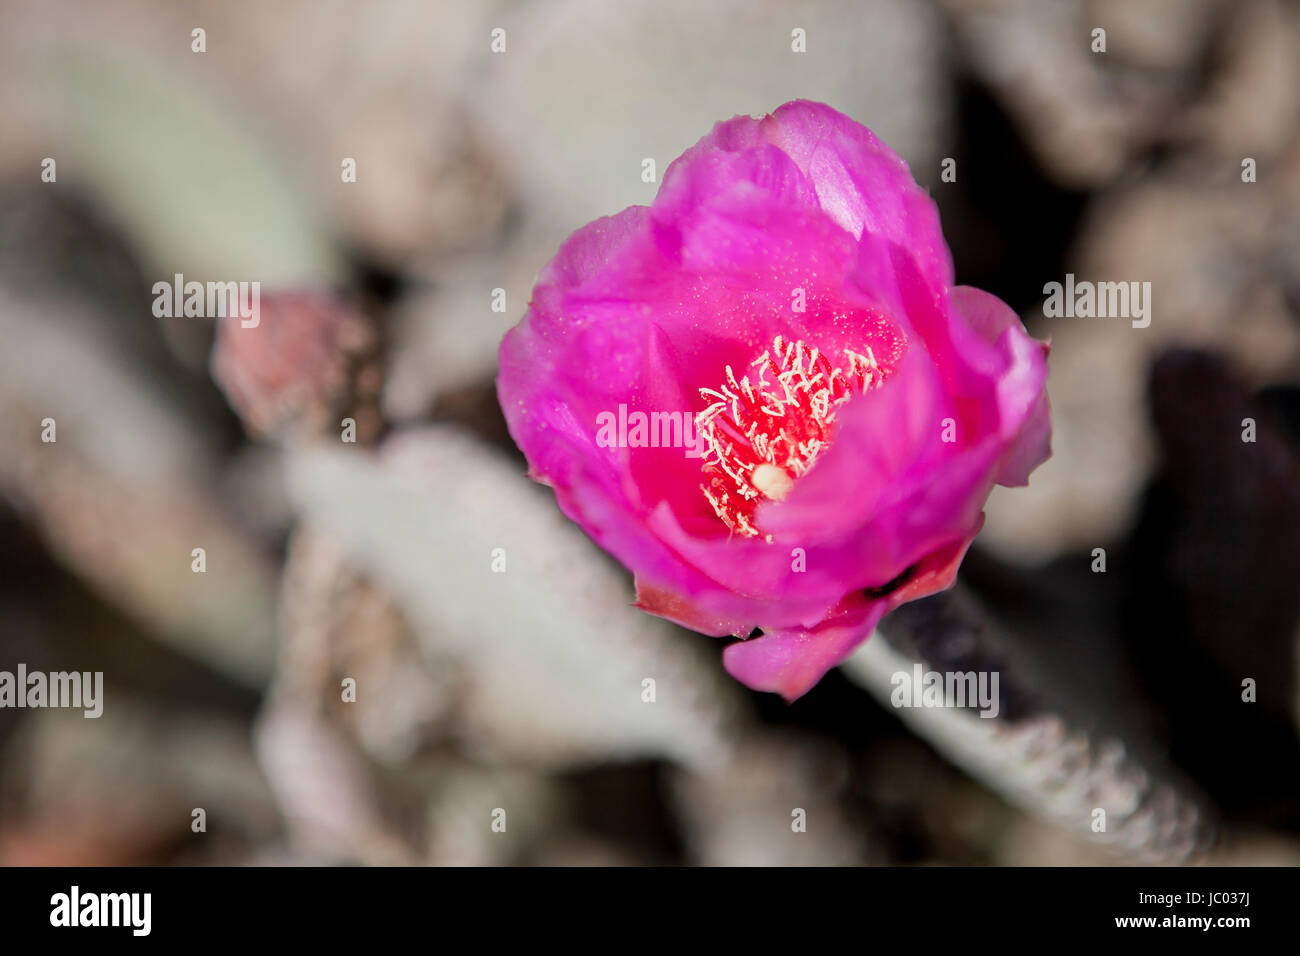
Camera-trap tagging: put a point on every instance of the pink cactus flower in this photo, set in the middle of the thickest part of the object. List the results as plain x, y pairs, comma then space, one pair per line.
810, 416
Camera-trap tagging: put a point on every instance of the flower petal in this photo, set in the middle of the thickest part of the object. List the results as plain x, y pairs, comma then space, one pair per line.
790, 661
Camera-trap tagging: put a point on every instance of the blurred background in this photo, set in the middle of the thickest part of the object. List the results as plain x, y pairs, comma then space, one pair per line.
377, 565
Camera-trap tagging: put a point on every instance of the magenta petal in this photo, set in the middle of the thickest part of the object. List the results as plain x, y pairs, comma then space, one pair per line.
1033, 445
1023, 409
790, 661
680, 610
863, 184
859, 182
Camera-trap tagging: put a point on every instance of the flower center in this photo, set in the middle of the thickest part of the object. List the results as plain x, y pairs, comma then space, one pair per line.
762, 432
